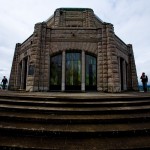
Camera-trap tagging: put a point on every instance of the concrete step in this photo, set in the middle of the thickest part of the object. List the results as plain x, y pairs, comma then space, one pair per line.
74, 110
79, 143
28, 122
64, 103
73, 130
74, 119
86, 97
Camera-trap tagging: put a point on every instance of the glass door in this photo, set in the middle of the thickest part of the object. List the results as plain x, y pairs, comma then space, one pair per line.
90, 73
55, 72
73, 71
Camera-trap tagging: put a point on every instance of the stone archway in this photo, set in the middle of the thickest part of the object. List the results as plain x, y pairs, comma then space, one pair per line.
73, 70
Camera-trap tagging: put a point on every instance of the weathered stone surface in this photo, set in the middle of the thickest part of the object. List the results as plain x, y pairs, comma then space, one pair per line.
78, 30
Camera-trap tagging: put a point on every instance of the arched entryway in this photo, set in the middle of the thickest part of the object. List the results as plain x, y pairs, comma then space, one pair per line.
73, 71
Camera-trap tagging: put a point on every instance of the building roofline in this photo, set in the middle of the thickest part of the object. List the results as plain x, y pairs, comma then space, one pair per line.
27, 39
120, 40
98, 18
50, 18
73, 9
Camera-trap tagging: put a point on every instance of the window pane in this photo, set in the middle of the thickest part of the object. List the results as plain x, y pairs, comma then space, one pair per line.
90, 76
73, 68
56, 71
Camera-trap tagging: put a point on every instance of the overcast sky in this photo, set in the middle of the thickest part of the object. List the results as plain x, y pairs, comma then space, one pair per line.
131, 20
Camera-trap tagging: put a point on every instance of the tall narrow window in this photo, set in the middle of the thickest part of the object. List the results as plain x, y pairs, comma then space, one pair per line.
73, 71
55, 72
90, 73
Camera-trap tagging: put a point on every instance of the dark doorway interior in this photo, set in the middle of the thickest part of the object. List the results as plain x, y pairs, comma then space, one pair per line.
23, 73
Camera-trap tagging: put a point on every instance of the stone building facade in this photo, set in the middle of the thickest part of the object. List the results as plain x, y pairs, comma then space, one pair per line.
73, 50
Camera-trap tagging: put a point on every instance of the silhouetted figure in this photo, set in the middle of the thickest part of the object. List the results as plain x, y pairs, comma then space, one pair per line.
144, 80
4, 82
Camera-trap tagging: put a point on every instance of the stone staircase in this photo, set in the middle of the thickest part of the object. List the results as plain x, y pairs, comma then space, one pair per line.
58, 123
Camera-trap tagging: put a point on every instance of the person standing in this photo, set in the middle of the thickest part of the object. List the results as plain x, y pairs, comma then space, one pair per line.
4, 82
144, 80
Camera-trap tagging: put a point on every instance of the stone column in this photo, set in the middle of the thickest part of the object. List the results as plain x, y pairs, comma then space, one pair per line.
63, 70
133, 81
102, 83
14, 80
35, 53
113, 72
40, 54
56, 17
83, 72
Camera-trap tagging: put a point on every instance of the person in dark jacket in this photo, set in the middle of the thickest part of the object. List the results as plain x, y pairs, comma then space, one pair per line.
144, 80
4, 82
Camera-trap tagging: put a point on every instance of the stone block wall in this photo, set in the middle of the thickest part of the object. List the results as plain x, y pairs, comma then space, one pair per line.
74, 29
13, 80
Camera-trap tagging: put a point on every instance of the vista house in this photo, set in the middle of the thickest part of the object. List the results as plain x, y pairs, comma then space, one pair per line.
73, 50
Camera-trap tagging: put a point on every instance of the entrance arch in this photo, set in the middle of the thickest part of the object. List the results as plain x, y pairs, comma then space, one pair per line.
73, 71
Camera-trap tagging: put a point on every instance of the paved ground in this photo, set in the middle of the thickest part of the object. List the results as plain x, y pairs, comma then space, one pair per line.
74, 95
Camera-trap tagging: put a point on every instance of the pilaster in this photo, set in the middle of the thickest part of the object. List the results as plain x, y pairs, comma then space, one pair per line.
40, 57
132, 73
14, 82
113, 72
63, 70
83, 71
102, 67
